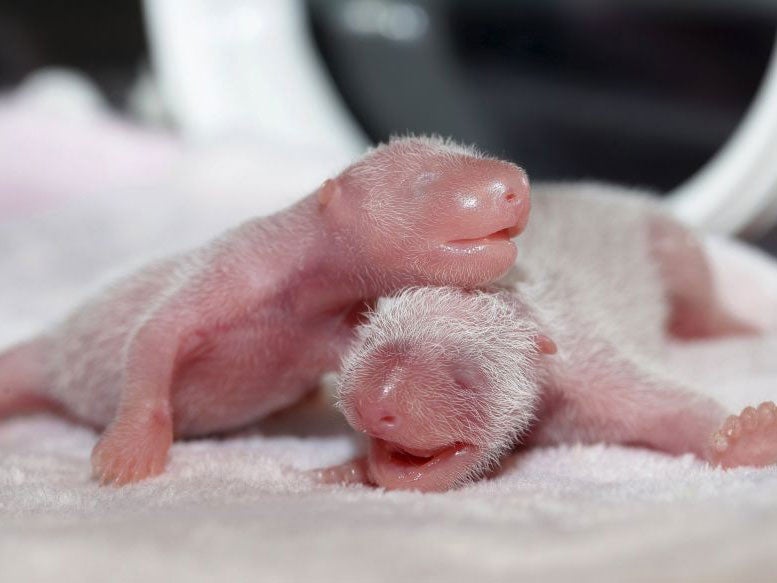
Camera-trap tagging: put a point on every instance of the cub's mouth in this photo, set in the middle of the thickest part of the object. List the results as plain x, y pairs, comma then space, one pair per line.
498, 237
395, 466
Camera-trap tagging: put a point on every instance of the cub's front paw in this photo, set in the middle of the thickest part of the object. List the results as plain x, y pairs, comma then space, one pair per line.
747, 439
132, 448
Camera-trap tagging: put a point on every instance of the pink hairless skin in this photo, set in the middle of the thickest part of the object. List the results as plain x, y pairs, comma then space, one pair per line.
445, 382
220, 336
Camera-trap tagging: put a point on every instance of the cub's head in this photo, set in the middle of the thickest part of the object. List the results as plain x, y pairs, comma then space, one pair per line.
443, 382
440, 213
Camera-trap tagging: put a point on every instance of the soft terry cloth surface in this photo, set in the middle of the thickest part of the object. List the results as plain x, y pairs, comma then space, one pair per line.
230, 509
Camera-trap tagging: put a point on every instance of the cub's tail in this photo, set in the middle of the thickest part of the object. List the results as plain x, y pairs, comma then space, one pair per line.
22, 380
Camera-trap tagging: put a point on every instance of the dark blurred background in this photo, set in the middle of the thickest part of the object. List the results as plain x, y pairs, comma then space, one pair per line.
106, 40
640, 92
636, 92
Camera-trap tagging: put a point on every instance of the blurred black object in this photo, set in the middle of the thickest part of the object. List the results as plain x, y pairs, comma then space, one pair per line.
105, 39
639, 92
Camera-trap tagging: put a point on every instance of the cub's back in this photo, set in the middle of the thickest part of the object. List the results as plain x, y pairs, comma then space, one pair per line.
585, 259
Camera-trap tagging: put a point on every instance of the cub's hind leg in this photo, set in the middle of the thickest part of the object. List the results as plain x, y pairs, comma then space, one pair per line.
695, 308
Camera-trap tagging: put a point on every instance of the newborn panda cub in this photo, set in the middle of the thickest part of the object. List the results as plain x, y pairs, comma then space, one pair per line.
446, 381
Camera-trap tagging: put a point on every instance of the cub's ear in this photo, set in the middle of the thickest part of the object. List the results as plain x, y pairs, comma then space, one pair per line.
545, 345
328, 191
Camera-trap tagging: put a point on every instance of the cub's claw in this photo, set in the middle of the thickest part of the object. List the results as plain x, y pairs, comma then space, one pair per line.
747, 439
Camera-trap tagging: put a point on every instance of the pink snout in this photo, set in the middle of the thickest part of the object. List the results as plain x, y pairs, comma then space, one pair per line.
492, 201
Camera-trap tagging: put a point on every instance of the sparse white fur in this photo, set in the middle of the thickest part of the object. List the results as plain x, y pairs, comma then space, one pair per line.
586, 266
411, 148
404, 156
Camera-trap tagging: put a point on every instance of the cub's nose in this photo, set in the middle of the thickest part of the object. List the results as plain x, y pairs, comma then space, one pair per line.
378, 416
513, 197
516, 183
